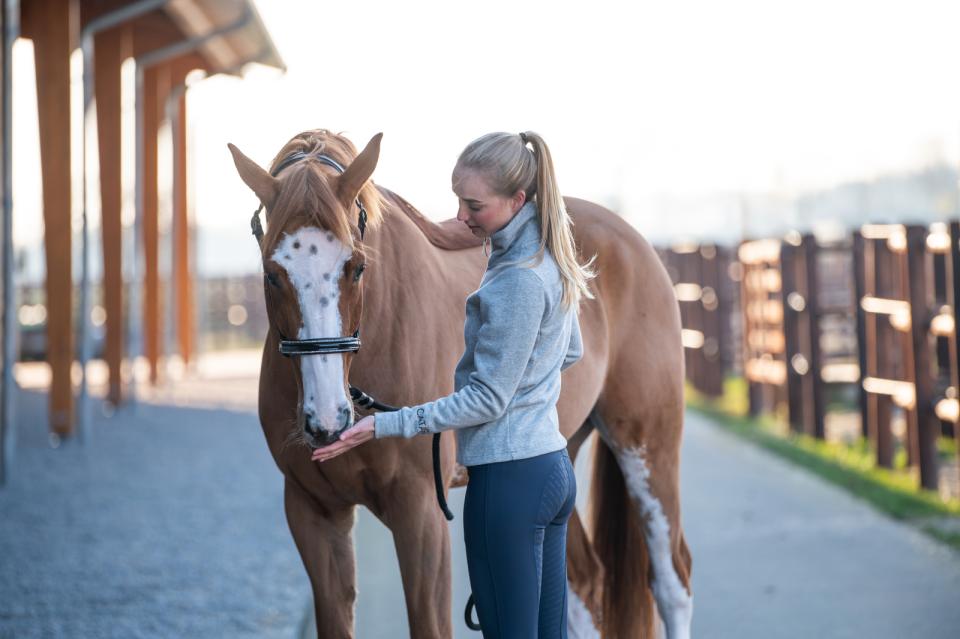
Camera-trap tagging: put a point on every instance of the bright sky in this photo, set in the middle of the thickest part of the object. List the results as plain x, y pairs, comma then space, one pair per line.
665, 98
642, 102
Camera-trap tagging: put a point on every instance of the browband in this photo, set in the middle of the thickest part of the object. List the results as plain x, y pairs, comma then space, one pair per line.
293, 158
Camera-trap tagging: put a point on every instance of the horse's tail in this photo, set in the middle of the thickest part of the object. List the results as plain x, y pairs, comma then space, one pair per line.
628, 607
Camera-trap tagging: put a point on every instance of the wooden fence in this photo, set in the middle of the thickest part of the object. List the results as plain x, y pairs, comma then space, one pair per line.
874, 311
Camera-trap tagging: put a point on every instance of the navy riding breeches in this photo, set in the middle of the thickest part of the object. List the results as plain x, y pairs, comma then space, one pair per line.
515, 529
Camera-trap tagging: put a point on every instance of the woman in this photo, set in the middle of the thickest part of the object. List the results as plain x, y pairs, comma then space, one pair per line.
521, 330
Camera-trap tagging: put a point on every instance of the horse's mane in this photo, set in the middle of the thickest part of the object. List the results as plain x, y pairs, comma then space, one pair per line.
449, 235
306, 189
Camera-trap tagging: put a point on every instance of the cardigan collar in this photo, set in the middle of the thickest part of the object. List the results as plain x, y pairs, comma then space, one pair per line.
525, 224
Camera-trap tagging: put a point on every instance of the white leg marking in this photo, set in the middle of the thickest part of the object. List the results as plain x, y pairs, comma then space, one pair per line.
314, 259
673, 601
579, 620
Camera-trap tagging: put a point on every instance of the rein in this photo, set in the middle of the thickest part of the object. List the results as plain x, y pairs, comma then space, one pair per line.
351, 344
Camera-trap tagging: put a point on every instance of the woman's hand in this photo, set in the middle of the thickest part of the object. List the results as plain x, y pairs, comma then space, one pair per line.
357, 434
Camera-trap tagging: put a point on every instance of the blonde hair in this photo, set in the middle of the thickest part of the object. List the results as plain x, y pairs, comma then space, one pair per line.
509, 165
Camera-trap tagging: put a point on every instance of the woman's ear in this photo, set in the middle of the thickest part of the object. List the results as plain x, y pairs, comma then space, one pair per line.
518, 200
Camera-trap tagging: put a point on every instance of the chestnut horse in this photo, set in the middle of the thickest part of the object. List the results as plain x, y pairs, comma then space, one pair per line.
408, 308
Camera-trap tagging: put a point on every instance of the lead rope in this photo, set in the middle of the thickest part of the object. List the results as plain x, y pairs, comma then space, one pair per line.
359, 397
363, 400
471, 604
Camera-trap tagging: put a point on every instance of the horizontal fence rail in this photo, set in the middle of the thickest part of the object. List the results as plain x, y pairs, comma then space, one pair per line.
871, 315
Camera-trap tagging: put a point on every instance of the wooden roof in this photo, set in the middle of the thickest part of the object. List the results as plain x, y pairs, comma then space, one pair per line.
248, 43
185, 19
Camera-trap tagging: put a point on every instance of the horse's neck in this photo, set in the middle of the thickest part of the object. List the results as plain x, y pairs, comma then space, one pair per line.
414, 297
406, 267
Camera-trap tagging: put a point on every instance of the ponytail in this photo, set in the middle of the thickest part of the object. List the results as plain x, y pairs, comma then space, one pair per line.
557, 227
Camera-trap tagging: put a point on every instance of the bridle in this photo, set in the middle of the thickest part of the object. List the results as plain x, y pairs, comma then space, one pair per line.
351, 344
316, 345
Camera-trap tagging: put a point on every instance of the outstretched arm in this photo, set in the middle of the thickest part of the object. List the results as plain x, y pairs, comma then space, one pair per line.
511, 308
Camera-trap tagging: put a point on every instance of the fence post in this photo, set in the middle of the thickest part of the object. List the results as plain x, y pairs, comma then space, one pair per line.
815, 381
923, 427
859, 292
789, 259
711, 309
953, 298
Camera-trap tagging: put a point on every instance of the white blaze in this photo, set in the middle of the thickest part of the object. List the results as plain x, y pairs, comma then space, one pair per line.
314, 260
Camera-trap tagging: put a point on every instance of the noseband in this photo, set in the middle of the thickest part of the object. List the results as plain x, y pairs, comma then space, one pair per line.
316, 345
328, 345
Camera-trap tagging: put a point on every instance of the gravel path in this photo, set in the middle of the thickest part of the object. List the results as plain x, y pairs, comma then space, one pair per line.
780, 553
777, 552
168, 523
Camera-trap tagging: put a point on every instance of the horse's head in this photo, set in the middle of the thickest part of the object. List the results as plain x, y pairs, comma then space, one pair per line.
318, 197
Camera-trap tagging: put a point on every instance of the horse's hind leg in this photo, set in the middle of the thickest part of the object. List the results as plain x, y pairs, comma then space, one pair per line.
584, 570
643, 430
326, 547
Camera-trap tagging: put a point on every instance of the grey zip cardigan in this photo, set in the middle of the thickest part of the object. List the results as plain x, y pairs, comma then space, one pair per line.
518, 338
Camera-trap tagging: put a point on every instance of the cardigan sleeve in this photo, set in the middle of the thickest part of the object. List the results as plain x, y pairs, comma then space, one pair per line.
511, 308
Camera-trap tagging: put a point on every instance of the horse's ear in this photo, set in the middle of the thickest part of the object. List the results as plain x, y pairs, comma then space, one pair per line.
261, 182
359, 171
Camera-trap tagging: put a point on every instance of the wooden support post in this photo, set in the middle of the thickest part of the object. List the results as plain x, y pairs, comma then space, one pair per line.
923, 427
10, 26
111, 47
54, 27
154, 86
159, 81
183, 275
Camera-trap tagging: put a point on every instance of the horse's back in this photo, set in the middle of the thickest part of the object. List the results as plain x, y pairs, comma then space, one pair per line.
625, 259
640, 311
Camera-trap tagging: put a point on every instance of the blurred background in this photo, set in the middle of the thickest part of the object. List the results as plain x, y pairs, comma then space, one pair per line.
795, 164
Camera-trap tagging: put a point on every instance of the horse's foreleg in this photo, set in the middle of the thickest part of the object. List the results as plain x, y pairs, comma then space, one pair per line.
323, 538
422, 541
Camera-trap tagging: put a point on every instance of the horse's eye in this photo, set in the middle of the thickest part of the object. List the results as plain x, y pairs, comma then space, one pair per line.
272, 280
357, 273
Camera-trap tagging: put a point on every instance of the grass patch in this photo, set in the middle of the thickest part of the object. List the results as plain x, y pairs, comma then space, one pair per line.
946, 447
894, 492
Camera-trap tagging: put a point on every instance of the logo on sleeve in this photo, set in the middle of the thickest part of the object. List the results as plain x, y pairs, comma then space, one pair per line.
421, 421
